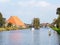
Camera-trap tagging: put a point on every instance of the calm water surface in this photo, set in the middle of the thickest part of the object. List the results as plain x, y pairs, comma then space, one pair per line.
29, 37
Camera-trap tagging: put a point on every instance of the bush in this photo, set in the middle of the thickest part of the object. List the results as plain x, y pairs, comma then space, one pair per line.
56, 29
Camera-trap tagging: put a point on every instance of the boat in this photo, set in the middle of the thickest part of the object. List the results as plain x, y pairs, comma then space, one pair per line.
32, 29
49, 32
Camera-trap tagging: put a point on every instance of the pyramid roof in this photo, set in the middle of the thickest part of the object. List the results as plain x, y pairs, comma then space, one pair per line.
16, 21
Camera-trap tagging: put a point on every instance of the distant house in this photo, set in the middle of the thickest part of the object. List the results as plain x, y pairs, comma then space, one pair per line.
44, 24
28, 25
16, 21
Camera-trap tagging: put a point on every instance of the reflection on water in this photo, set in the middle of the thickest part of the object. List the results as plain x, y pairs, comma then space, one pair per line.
15, 38
1, 38
36, 37
28, 37
59, 39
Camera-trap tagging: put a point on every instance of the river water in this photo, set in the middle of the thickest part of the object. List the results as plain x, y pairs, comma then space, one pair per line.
29, 37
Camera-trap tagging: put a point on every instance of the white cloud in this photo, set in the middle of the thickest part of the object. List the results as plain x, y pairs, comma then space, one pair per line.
43, 4
4, 1
34, 3
27, 3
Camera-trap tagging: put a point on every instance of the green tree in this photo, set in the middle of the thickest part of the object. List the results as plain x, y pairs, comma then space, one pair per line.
58, 19
9, 25
2, 22
58, 11
36, 23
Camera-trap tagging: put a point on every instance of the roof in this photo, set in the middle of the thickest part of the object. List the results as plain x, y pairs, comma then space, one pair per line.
16, 21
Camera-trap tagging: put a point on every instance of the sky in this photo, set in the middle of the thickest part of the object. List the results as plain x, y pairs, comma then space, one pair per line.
26, 10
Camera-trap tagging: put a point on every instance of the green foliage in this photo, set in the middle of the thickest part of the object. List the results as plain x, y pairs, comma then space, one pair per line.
56, 29
58, 11
9, 25
57, 22
36, 23
2, 21
58, 19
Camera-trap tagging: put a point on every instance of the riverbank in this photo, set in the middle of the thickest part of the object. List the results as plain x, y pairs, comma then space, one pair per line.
56, 29
2, 29
11, 28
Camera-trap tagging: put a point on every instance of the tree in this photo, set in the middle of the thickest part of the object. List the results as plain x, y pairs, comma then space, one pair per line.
36, 23
9, 25
1, 20
58, 11
58, 19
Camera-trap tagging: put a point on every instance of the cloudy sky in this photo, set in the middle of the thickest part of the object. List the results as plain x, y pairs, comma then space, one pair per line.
26, 10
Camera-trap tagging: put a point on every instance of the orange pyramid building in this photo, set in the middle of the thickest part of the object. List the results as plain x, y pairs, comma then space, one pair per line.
16, 21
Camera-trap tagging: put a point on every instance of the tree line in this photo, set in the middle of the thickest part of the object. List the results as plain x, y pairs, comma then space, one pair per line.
36, 21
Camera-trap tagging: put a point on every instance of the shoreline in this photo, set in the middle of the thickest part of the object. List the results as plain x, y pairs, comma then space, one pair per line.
10, 28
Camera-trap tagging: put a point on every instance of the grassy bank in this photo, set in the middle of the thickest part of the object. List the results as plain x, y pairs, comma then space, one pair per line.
2, 29
11, 28
56, 29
